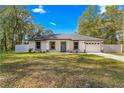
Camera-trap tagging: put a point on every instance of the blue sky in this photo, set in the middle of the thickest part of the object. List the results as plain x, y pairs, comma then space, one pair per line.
59, 18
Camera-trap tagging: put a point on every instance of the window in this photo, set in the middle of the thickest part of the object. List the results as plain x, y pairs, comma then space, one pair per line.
75, 45
37, 45
52, 45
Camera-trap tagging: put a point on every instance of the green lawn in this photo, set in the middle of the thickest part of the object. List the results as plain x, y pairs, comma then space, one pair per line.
60, 70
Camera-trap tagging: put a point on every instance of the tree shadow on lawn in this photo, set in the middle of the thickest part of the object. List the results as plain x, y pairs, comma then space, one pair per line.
80, 72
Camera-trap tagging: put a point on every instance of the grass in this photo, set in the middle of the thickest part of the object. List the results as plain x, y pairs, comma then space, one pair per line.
60, 70
2, 55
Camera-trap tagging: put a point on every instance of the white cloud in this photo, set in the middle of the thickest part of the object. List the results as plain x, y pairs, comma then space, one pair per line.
39, 10
52, 23
102, 9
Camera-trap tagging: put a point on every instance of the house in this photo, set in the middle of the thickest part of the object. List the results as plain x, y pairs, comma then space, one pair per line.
65, 43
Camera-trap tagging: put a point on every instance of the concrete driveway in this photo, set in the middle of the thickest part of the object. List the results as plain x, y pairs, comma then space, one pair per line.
112, 56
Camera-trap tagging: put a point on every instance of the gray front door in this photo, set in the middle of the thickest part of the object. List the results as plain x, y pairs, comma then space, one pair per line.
63, 46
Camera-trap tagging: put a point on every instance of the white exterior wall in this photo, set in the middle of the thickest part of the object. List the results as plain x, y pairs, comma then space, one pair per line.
58, 45
69, 45
43, 45
47, 45
81, 46
32, 45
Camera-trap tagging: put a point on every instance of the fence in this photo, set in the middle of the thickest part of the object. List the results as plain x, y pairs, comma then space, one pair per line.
123, 48
21, 48
112, 48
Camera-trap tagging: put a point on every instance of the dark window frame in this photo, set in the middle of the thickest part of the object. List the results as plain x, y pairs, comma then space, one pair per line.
38, 46
76, 45
52, 45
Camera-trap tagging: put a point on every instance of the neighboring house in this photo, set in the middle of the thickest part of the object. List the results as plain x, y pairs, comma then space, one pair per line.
65, 43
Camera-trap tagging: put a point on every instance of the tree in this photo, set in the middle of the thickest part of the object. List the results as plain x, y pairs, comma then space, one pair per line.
105, 26
40, 31
16, 22
89, 22
113, 23
47, 32
16, 26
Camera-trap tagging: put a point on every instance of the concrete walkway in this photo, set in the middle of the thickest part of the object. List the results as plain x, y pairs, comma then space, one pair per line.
112, 56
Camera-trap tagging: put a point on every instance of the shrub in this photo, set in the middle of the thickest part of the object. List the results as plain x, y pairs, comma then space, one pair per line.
30, 50
44, 52
47, 50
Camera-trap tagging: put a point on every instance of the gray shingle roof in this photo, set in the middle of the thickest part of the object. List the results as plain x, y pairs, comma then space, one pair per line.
64, 37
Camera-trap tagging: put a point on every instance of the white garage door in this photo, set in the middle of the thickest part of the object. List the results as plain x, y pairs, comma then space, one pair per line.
93, 47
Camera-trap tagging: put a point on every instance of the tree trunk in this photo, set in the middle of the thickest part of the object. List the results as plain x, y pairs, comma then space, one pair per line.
13, 41
5, 42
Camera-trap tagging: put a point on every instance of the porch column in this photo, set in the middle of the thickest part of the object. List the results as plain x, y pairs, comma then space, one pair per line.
47, 45
58, 45
81, 46
69, 45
